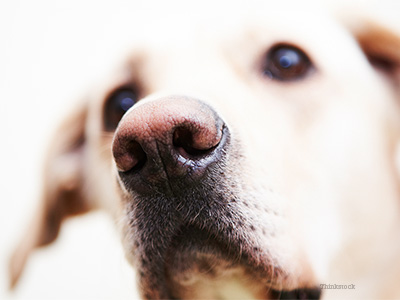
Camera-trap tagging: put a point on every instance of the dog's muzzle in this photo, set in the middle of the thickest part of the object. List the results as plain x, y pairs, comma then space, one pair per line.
180, 174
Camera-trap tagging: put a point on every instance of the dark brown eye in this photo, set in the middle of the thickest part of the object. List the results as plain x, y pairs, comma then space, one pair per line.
286, 63
117, 105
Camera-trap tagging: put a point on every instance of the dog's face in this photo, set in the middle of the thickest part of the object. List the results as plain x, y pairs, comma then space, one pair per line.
246, 158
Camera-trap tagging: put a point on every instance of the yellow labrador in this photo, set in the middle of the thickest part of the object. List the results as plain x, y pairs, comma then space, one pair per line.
249, 157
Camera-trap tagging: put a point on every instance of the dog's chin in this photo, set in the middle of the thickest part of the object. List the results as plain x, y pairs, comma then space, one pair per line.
201, 265
196, 252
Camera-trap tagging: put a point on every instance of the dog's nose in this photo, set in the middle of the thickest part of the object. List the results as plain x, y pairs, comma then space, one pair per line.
168, 139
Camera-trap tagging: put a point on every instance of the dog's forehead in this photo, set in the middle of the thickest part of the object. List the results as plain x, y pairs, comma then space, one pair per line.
221, 25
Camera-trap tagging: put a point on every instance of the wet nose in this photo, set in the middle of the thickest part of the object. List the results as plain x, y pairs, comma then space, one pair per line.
170, 139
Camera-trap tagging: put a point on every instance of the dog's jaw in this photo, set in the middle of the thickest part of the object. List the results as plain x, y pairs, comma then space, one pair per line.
176, 260
172, 257
201, 265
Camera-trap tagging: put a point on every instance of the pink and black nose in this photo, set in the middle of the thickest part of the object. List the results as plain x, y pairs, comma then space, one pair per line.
169, 142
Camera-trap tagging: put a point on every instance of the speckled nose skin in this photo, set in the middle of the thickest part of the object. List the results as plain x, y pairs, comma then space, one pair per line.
165, 141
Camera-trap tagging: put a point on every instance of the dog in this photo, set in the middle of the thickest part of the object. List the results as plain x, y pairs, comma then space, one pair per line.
244, 157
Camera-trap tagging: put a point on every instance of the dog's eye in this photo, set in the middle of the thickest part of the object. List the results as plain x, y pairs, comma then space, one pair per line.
286, 63
117, 105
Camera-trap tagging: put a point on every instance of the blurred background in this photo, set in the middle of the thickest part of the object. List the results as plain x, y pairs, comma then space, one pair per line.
50, 54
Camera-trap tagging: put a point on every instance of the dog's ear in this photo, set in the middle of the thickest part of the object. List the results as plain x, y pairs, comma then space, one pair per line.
62, 189
381, 45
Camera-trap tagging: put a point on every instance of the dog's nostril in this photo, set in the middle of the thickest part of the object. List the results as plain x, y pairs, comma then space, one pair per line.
186, 143
132, 158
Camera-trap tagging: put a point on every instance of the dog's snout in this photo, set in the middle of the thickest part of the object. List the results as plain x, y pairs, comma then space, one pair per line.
169, 137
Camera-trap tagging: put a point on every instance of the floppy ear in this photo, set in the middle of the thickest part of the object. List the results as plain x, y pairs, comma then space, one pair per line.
62, 191
381, 45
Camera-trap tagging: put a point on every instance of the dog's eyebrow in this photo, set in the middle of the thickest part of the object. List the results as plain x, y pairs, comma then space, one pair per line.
136, 60
131, 73
133, 65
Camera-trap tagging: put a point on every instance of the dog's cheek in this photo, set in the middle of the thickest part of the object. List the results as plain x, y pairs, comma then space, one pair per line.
271, 217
